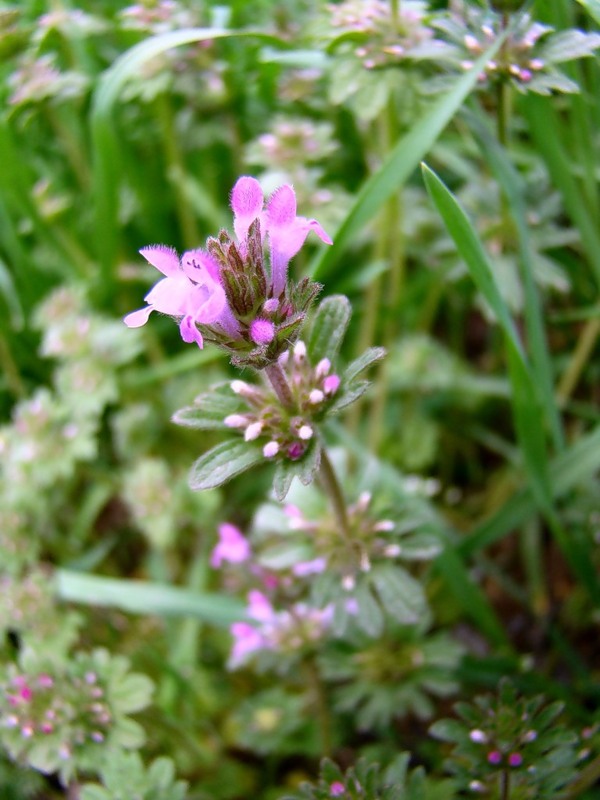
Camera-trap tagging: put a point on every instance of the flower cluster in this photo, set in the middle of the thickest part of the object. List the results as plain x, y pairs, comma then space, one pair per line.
288, 432
383, 40
285, 632
510, 732
527, 57
56, 718
252, 312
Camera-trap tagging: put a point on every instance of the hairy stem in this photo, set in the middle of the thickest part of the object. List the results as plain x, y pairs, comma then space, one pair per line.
280, 384
332, 488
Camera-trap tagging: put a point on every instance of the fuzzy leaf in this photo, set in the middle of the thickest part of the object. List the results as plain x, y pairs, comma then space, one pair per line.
361, 363
369, 617
285, 472
348, 396
328, 328
569, 45
209, 410
222, 463
400, 594
449, 730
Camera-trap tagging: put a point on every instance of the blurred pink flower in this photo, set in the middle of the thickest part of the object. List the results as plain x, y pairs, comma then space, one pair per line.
232, 547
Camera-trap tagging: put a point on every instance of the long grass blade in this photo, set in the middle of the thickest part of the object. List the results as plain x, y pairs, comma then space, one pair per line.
141, 597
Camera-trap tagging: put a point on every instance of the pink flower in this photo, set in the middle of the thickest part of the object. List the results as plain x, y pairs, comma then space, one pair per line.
190, 290
232, 547
287, 234
247, 640
286, 231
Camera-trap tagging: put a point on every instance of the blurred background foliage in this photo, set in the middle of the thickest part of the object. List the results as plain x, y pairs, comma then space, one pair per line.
123, 126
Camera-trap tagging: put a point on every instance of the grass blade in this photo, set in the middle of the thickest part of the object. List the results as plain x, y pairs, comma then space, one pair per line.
142, 597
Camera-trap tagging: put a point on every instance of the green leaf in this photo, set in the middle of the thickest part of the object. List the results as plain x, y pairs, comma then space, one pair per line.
361, 363
470, 248
329, 327
592, 7
401, 595
348, 396
209, 410
569, 45
224, 462
369, 616
285, 472
449, 730
132, 693
141, 597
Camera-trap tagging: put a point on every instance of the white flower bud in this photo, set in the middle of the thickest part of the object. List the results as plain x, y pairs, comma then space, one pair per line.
305, 432
253, 431
270, 450
236, 421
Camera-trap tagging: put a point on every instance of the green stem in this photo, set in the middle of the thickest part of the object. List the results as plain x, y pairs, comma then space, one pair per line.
320, 702
505, 785
71, 147
332, 488
583, 350
11, 371
279, 382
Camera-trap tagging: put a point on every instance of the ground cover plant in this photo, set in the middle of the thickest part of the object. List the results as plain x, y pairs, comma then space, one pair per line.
325, 525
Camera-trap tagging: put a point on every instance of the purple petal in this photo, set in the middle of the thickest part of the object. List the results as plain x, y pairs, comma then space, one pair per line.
170, 295
190, 333
200, 266
164, 258
281, 208
138, 318
247, 201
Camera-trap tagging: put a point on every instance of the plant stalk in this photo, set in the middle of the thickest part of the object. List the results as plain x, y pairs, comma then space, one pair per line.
332, 488
320, 702
280, 384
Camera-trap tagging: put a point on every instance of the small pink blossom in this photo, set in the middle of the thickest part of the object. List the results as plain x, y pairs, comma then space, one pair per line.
337, 789
262, 331
314, 567
331, 384
286, 231
232, 547
190, 291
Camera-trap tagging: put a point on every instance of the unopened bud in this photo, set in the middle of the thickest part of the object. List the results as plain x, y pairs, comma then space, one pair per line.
239, 387
253, 431
322, 368
299, 352
262, 331
331, 384
305, 432
271, 449
316, 397
236, 421
271, 305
